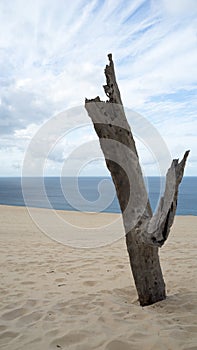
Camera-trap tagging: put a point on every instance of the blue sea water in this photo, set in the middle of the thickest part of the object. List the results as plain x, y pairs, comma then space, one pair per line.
92, 193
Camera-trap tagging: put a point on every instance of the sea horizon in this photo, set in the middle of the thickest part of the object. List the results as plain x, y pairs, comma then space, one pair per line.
65, 193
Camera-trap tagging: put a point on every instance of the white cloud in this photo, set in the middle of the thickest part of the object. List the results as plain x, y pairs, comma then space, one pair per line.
180, 7
52, 56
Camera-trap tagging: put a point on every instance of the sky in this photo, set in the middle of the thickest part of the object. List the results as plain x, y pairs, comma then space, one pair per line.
52, 56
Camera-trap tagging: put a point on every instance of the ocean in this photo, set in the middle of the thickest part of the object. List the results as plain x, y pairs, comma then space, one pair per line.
65, 194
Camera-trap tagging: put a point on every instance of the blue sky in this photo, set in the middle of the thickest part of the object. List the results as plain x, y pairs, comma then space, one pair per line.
52, 56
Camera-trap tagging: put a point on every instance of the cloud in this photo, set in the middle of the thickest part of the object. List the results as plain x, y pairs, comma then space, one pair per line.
52, 56
180, 8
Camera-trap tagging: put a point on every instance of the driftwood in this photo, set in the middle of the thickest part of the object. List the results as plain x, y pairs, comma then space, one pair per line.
145, 232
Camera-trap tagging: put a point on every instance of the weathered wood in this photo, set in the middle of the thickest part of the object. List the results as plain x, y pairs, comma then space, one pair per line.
144, 232
160, 224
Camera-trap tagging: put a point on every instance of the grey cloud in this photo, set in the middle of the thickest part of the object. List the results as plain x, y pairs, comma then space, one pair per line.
19, 108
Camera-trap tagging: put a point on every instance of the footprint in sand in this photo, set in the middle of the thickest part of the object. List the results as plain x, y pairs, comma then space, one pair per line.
30, 318
27, 283
30, 303
71, 338
119, 344
12, 315
7, 336
59, 280
120, 266
90, 283
2, 328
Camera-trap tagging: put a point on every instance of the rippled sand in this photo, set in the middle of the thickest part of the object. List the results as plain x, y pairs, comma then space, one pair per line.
57, 297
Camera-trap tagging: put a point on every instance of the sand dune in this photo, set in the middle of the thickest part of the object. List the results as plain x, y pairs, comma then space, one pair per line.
56, 297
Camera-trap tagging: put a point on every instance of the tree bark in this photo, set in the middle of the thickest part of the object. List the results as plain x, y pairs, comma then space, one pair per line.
145, 233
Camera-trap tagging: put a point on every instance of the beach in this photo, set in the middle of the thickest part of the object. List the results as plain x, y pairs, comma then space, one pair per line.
54, 296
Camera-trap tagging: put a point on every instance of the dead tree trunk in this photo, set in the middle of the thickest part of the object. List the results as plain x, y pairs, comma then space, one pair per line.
145, 232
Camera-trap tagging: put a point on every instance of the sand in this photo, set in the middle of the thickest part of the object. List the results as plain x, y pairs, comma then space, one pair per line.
56, 297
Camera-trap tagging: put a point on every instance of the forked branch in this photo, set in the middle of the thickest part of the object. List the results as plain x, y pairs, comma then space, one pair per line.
110, 123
